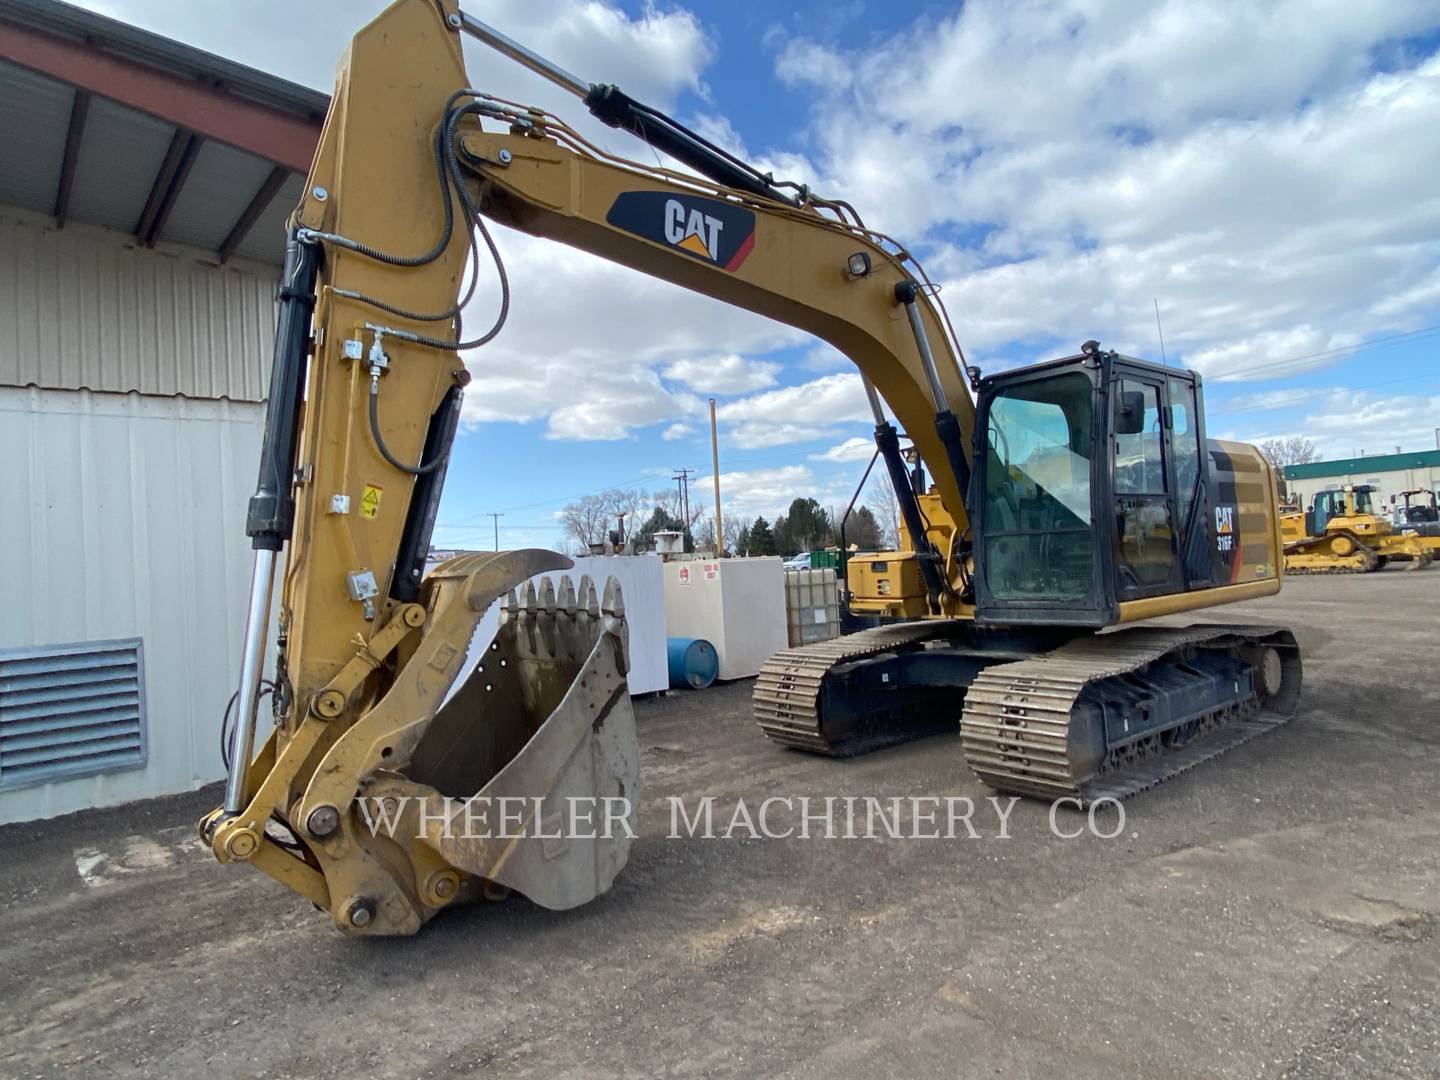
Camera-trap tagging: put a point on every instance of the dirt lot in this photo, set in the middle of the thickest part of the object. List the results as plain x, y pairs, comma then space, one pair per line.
1272, 913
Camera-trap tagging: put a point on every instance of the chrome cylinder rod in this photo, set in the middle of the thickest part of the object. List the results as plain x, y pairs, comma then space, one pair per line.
252, 663
521, 55
922, 342
876, 408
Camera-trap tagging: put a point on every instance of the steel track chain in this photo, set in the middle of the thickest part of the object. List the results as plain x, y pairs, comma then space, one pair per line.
1015, 729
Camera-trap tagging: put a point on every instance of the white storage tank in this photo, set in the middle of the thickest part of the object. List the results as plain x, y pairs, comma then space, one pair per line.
812, 606
738, 605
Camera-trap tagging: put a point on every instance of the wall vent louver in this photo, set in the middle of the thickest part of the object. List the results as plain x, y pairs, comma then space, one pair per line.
71, 710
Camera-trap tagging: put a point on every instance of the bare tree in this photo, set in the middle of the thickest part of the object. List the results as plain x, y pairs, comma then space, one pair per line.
669, 499
737, 533
702, 530
587, 519
1290, 450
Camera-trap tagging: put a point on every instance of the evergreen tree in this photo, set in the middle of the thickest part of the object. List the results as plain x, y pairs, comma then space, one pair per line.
762, 540
863, 531
805, 526
660, 520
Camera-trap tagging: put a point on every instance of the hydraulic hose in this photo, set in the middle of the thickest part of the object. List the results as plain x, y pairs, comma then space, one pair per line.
423, 469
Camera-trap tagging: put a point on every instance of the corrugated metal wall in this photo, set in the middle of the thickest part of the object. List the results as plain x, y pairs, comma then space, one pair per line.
123, 516
85, 307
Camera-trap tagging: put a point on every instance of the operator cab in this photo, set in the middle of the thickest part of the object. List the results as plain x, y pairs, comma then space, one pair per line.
1414, 507
1351, 501
1090, 489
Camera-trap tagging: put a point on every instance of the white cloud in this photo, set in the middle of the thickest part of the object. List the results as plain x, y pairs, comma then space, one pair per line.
756, 436
728, 374
831, 399
793, 414
822, 356
764, 492
1350, 421
1270, 354
592, 371
802, 61
1065, 163
676, 431
656, 54
610, 405
854, 449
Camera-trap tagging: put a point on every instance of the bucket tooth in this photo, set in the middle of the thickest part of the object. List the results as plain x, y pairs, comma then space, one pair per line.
529, 617
581, 631
566, 610
545, 617
612, 608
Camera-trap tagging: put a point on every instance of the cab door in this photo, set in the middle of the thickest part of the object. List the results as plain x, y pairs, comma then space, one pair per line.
1143, 483
1188, 467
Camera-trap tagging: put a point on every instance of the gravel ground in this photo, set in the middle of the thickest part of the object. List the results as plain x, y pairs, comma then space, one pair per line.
1270, 914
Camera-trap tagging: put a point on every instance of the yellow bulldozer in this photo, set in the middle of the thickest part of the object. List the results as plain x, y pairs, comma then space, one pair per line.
1340, 533
1067, 498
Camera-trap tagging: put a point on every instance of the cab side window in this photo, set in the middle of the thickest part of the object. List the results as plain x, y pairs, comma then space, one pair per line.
1139, 464
1185, 442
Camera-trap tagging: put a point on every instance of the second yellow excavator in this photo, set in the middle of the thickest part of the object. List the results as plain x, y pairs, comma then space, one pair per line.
1066, 498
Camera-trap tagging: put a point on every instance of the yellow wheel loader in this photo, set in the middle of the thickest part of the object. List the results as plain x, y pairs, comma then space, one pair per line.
1341, 534
1068, 498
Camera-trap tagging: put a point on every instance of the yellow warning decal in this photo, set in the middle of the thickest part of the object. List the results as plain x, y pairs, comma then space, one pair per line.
370, 501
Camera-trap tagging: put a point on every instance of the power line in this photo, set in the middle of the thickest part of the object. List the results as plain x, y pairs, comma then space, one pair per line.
1422, 334
1321, 392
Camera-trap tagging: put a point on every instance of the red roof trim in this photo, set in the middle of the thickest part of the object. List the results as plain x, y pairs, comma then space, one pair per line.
280, 137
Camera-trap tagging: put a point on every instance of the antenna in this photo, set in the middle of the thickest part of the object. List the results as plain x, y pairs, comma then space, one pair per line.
1159, 331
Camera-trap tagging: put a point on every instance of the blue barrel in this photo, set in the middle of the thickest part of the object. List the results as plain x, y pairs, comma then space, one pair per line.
693, 663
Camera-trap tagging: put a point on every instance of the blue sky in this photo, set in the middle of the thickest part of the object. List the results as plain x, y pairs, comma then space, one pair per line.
1268, 175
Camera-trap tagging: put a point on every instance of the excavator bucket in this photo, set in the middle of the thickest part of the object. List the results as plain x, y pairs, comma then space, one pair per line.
523, 778
526, 777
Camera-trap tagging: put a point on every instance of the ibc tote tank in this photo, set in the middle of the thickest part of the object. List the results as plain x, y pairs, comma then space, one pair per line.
812, 606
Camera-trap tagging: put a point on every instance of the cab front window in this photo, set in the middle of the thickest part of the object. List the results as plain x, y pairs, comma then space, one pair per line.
1038, 519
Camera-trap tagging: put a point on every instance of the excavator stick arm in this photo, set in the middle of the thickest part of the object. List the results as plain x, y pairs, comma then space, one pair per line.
371, 746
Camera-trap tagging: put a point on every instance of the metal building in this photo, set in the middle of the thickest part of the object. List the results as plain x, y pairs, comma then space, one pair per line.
143, 195
1389, 474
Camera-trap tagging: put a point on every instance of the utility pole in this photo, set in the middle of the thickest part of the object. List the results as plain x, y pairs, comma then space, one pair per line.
682, 476
496, 519
715, 472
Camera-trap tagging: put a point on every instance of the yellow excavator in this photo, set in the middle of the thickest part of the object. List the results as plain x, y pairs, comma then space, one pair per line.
1066, 498
1341, 533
